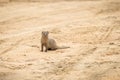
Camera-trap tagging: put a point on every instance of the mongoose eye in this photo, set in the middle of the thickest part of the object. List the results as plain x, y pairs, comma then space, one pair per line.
42, 32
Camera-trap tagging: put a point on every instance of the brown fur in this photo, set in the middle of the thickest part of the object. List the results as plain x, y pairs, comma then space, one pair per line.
48, 43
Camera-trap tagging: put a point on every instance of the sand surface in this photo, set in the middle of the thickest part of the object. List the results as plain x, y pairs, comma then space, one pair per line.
90, 28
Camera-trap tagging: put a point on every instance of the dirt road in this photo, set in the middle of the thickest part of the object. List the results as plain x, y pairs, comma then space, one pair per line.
90, 28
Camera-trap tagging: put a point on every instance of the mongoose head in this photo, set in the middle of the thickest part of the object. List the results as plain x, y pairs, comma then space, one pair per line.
45, 34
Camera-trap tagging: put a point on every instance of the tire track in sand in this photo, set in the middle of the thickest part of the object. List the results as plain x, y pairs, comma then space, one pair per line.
66, 65
11, 47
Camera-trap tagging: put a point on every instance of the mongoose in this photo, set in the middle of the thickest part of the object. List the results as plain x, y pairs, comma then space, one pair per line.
49, 44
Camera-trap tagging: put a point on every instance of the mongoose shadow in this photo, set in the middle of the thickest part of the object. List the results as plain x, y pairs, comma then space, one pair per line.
48, 43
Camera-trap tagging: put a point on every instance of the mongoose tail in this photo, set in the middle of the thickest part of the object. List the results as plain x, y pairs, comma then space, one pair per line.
62, 47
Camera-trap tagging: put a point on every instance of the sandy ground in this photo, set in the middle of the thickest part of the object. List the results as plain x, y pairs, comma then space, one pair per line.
90, 28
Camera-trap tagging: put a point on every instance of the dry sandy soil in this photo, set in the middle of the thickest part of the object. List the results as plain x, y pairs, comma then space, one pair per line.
90, 28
